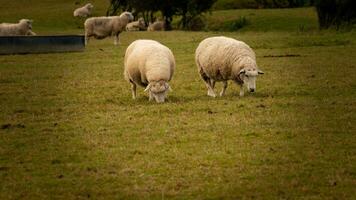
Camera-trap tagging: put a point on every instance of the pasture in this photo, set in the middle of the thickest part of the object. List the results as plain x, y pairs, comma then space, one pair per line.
70, 130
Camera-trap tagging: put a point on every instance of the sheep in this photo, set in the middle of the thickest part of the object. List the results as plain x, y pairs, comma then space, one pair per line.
222, 59
149, 64
137, 25
24, 27
84, 11
102, 27
156, 26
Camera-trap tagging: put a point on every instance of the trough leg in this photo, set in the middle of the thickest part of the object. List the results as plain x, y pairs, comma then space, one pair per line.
222, 93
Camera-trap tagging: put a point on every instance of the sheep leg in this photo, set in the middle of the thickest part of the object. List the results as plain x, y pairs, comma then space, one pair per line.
133, 90
117, 39
212, 83
208, 83
150, 98
241, 91
224, 88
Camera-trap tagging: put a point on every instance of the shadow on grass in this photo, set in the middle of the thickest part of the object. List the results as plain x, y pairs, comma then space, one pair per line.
180, 99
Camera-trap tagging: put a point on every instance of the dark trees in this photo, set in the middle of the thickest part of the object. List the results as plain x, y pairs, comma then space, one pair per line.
186, 9
335, 13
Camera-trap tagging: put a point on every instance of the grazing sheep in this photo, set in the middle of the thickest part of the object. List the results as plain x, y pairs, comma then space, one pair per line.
149, 64
102, 27
223, 59
137, 25
24, 27
84, 11
156, 26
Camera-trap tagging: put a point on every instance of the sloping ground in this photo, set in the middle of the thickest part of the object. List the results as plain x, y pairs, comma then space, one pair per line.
50, 17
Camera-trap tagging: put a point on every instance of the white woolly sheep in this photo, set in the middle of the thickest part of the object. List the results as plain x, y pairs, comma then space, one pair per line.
102, 27
138, 25
156, 26
223, 59
84, 11
24, 27
149, 64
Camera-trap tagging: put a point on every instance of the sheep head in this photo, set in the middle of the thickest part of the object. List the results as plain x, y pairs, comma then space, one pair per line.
89, 6
27, 23
158, 90
248, 73
127, 15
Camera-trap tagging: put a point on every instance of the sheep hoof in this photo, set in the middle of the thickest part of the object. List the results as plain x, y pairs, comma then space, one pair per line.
211, 94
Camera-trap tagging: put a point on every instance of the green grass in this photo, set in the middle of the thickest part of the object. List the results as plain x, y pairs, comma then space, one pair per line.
70, 130
298, 19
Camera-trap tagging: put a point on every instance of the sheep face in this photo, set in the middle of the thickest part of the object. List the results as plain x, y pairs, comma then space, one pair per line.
27, 22
128, 16
248, 76
158, 90
89, 6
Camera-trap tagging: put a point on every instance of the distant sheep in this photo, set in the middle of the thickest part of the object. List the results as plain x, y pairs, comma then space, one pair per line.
138, 25
223, 59
102, 27
149, 64
24, 27
156, 26
84, 11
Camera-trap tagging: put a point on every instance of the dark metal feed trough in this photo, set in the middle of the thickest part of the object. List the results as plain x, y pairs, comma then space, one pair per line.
41, 44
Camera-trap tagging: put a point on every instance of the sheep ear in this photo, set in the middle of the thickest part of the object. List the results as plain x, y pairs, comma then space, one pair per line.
148, 87
260, 72
168, 87
242, 71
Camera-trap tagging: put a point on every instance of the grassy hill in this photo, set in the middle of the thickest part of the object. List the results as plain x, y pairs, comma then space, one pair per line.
53, 17
50, 17
70, 130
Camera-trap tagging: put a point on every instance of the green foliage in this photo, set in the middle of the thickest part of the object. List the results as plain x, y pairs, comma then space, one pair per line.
238, 4
237, 24
336, 13
232, 25
186, 9
196, 24
234, 4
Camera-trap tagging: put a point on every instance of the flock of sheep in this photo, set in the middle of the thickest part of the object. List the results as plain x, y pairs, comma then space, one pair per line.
150, 64
102, 27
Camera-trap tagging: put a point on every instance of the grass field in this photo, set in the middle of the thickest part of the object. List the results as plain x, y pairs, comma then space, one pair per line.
70, 130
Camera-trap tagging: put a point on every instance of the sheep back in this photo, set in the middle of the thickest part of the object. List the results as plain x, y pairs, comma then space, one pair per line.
156, 26
221, 58
24, 27
100, 27
147, 61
